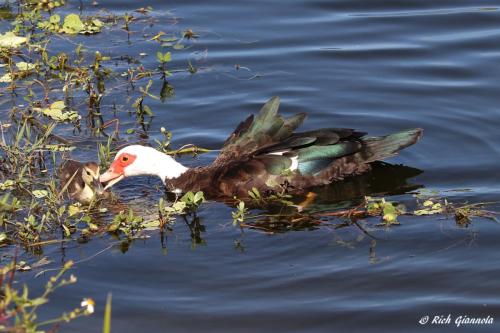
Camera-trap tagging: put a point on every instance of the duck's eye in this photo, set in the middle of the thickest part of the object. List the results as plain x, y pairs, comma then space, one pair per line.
124, 158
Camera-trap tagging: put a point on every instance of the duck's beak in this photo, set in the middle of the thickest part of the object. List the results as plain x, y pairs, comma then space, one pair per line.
110, 177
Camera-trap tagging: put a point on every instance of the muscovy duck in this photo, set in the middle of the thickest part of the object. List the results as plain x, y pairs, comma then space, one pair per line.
265, 153
80, 180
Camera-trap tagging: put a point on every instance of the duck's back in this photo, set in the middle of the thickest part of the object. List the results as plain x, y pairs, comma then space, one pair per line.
265, 153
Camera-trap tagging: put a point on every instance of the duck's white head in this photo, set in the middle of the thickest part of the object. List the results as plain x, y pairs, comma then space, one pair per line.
139, 160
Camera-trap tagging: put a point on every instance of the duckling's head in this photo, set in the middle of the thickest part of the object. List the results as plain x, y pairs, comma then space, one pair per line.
90, 175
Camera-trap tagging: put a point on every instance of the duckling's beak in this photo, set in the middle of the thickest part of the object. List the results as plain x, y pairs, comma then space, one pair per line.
97, 186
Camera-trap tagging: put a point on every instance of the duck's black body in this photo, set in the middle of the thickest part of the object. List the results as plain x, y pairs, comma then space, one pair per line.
265, 153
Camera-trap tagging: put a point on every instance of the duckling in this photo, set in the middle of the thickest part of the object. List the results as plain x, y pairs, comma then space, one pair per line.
80, 180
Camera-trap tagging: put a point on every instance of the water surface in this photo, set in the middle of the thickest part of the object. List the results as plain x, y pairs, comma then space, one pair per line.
378, 67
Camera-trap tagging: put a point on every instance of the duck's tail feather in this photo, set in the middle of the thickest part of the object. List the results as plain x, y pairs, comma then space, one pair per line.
379, 148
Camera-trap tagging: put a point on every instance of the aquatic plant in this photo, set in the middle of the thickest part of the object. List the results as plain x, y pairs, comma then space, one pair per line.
19, 310
285, 215
63, 91
56, 93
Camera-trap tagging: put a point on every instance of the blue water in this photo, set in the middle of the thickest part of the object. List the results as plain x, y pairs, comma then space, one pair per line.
375, 66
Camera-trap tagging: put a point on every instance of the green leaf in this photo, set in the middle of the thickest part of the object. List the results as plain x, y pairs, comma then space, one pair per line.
427, 203
7, 185
159, 56
179, 206
67, 233
58, 105
93, 227
114, 226
151, 225
38, 301
167, 57
10, 40
188, 197
169, 39
55, 19
73, 210
40, 193
72, 24
390, 218
199, 197
436, 206
92, 27
55, 111
6, 78
373, 208
147, 110
427, 212
389, 209
24, 66
97, 23
106, 327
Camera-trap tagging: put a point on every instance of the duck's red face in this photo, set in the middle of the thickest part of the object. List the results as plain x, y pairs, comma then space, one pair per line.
117, 169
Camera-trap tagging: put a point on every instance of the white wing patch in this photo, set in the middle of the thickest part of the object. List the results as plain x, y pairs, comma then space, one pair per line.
295, 159
295, 163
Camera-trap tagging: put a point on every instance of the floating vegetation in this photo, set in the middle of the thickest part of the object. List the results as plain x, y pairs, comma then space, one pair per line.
72, 24
389, 211
54, 92
130, 225
10, 40
429, 208
55, 111
54, 87
46, 5
282, 215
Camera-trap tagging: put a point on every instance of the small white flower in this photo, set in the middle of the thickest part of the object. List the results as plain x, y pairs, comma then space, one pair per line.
177, 191
88, 304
